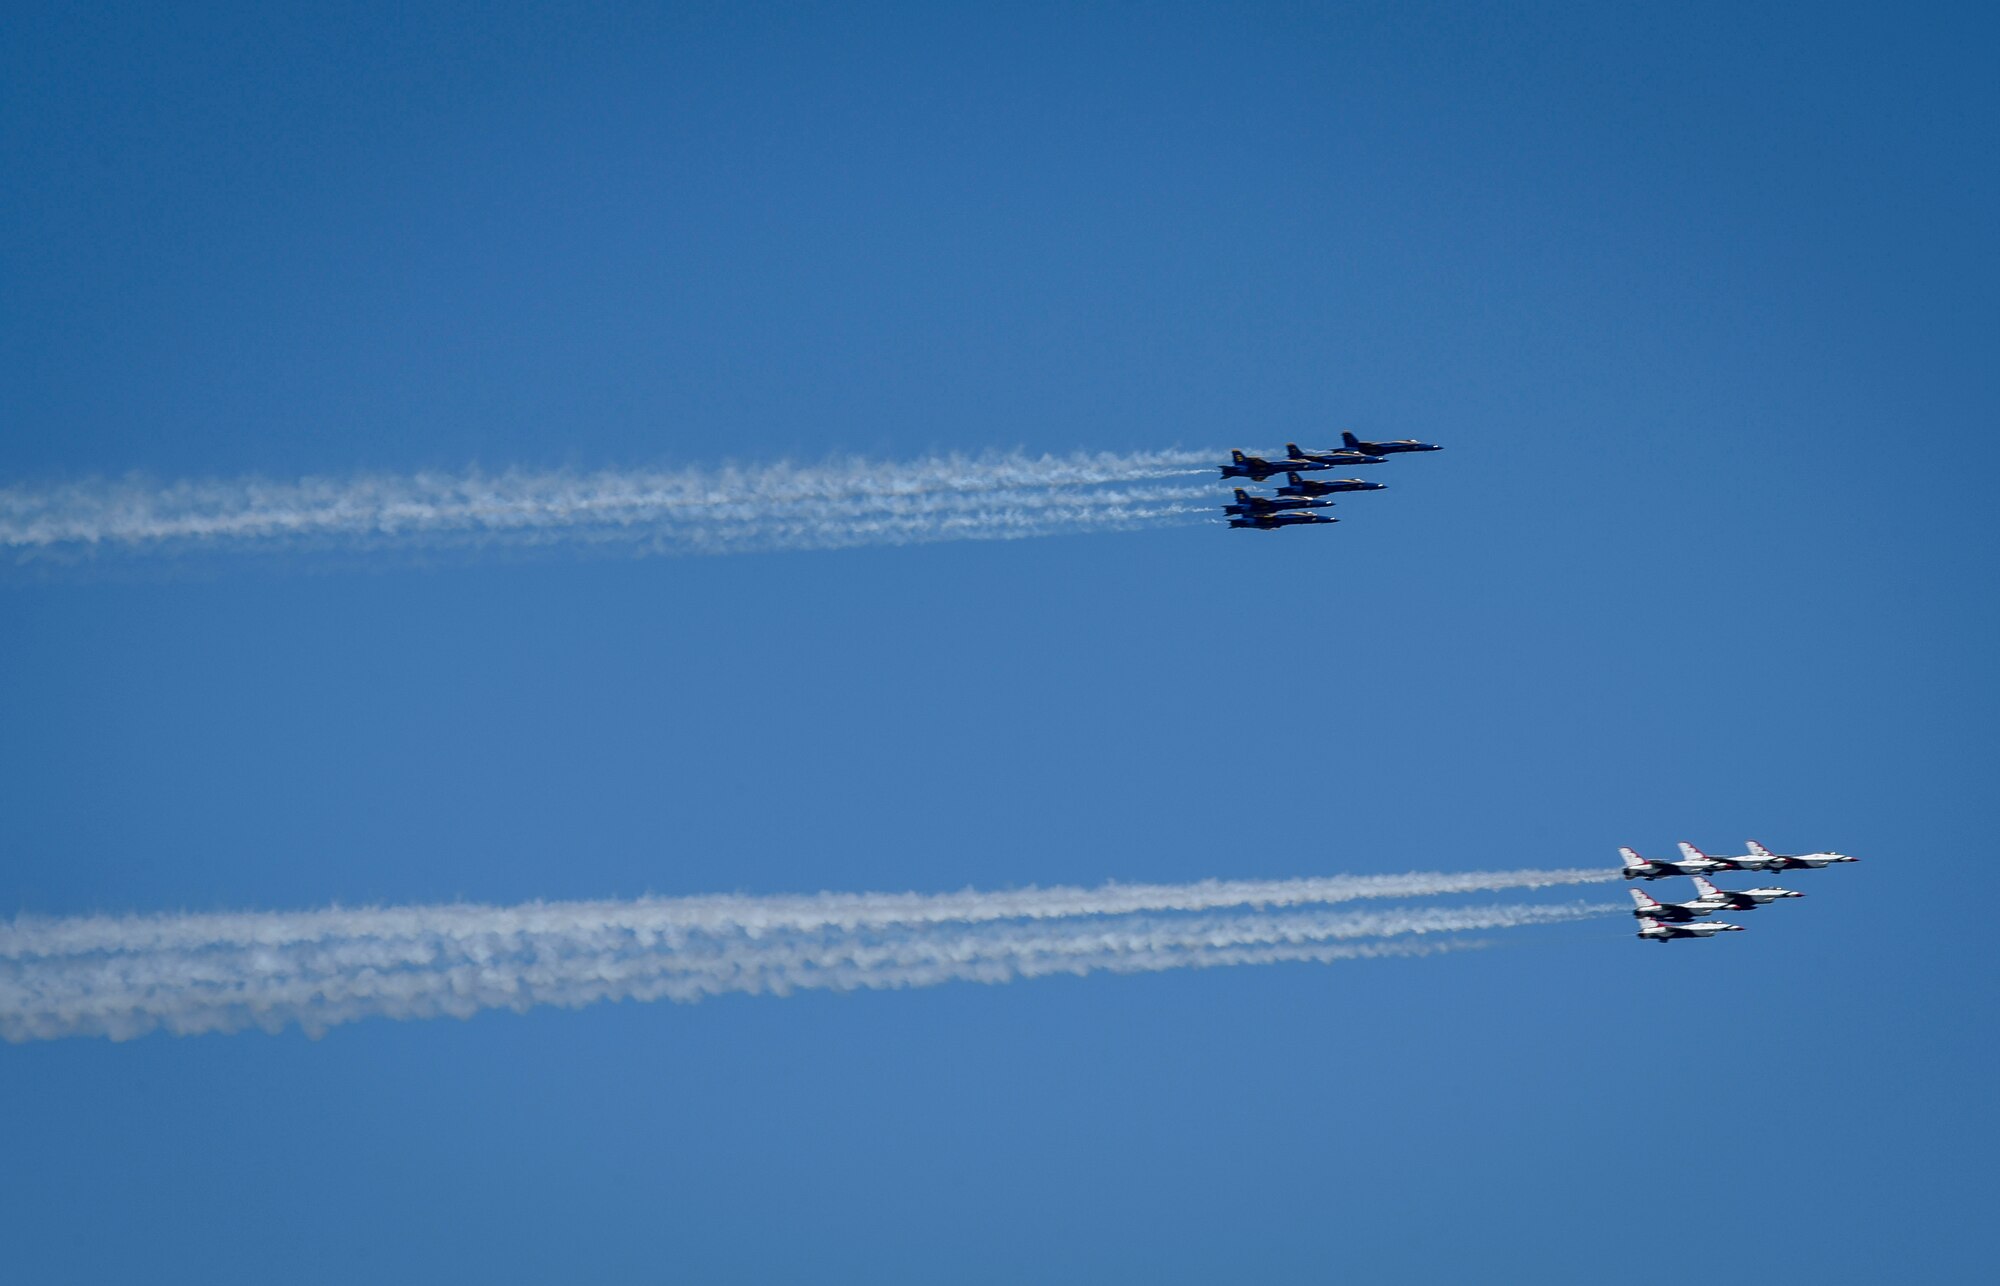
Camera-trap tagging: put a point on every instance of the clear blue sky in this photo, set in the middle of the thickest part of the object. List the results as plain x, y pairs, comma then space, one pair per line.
1702, 302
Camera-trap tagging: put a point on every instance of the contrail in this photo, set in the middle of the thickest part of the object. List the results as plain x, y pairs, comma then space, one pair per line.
782, 505
223, 973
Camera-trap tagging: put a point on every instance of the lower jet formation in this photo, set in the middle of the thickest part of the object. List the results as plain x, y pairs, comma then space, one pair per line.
1661, 931
1283, 518
1314, 487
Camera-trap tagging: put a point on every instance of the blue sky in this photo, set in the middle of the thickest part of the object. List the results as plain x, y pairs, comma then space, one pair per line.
1699, 300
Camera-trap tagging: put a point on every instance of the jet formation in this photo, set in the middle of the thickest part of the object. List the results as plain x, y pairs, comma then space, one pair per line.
1665, 921
1293, 503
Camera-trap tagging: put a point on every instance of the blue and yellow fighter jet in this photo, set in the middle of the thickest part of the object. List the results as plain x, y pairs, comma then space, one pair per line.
1336, 456
1283, 518
1257, 468
1249, 506
1314, 487
1387, 448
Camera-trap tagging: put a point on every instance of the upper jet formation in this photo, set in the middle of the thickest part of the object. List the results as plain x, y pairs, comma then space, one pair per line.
1387, 448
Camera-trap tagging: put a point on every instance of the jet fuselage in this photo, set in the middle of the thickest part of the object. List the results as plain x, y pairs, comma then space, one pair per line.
1258, 469
1790, 862
1314, 487
1738, 899
1337, 455
1695, 862
1247, 505
1659, 868
1396, 447
1660, 931
1646, 908
1273, 521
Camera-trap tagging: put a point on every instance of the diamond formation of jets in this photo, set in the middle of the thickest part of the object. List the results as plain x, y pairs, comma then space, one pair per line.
1285, 509
1665, 921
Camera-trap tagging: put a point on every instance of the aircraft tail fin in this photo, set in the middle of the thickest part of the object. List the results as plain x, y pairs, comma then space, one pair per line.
1294, 478
1756, 849
1353, 443
1641, 901
1632, 859
1691, 853
1707, 886
1236, 455
1292, 450
1242, 496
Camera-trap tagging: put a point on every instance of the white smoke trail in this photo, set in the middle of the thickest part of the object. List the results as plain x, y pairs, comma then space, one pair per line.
462, 992
783, 505
232, 979
29, 936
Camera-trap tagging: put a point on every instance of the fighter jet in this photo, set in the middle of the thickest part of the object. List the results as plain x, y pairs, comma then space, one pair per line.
1677, 912
1287, 518
1328, 459
1314, 487
1760, 858
1734, 899
1387, 448
1249, 506
1695, 862
1659, 931
1645, 868
1659, 868
1257, 468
